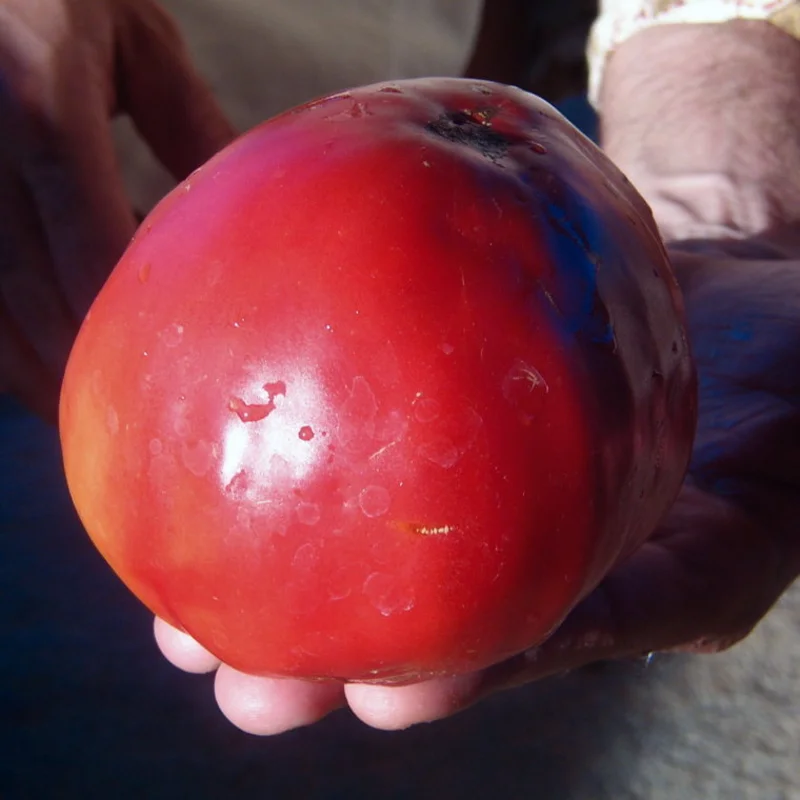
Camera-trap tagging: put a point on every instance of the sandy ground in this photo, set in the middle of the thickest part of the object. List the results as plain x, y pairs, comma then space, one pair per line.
88, 708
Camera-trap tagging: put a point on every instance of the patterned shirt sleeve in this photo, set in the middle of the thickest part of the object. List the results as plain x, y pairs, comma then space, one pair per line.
620, 19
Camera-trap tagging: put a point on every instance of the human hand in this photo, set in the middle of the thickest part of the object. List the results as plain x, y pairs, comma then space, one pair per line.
730, 545
66, 67
724, 555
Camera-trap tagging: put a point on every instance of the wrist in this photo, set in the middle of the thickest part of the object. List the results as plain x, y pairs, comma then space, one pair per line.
705, 120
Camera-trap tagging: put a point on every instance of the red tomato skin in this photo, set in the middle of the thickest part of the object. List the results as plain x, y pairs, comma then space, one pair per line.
385, 388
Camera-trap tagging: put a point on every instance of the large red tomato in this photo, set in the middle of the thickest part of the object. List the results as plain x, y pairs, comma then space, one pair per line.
383, 389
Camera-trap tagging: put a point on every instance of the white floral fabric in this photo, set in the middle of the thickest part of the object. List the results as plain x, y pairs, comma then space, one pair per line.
620, 19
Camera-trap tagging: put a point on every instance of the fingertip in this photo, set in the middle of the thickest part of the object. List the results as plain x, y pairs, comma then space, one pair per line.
399, 707
182, 650
269, 706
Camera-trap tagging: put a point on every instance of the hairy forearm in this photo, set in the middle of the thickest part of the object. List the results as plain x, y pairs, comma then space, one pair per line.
705, 120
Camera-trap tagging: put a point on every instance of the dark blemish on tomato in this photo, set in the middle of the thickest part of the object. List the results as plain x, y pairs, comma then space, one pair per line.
254, 412
306, 433
674, 347
521, 195
472, 129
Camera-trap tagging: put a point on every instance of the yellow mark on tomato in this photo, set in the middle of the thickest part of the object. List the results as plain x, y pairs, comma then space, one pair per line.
425, 530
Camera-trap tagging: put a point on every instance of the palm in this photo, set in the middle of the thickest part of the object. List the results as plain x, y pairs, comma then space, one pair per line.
726, 551
744, 318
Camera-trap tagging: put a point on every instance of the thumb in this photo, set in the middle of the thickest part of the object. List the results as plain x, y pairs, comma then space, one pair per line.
170, 104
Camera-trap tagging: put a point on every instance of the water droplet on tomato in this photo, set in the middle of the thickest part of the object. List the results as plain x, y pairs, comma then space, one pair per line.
306, 557
388, 594
172, 335
144, 272
308, 513
340, 583
306, 433
197, 457
426, 409
357, 415
374, 501
181, 426
538, 148
440, 451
